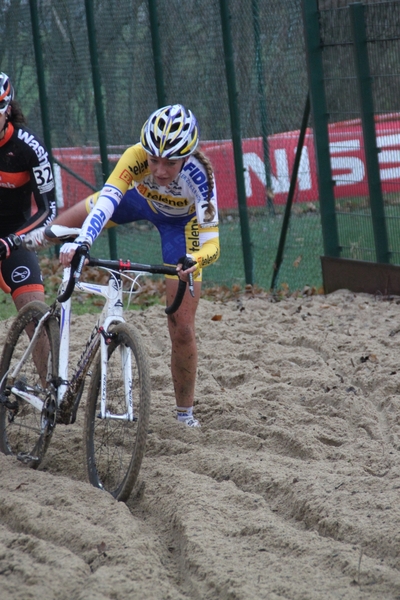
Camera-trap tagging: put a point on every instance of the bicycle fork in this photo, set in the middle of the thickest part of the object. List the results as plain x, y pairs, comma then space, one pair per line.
126, 374
69, 391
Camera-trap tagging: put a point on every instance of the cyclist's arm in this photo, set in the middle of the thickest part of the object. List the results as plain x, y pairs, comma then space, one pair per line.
73, 216
130, 167
208, 230
94, 223
209, 246
43, 190
92, 220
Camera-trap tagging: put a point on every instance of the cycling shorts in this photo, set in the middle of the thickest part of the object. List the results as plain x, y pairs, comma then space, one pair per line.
20, 273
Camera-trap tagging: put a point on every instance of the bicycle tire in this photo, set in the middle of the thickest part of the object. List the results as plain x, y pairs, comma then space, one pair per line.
26, 431
114, 449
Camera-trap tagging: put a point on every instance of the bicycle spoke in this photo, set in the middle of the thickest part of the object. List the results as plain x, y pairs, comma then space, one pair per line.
115, 446
27, 396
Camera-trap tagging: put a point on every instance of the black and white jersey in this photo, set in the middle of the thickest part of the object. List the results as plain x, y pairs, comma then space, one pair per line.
27, 194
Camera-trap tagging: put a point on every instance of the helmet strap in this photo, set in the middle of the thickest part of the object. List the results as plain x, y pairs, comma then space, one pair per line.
185, 159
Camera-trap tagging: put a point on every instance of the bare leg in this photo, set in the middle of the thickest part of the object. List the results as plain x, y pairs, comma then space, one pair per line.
23, 299
41, 351
72, 217
181, 327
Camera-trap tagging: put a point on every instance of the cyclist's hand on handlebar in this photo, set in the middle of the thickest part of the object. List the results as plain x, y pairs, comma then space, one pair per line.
35, 239
68, 250
8, 244
187, 265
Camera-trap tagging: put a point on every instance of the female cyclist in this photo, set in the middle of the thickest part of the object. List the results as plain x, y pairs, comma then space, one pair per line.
27, 198
166, 180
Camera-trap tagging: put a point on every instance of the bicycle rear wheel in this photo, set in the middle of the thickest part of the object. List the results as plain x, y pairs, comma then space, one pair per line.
115, 446
25, 430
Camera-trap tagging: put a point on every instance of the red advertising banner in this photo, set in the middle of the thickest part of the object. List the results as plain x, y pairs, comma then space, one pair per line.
347, 163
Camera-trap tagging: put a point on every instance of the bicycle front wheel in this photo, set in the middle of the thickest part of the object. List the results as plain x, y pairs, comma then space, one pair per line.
116, 440
26, 426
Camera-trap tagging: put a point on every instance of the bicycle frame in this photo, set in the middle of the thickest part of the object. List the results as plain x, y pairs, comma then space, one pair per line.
112, 313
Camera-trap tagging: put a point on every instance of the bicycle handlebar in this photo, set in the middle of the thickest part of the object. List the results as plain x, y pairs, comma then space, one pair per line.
13, 242
82, 253
77, 263
9, 244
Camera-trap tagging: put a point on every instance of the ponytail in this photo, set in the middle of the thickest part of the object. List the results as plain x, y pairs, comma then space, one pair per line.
210, 211
16, 116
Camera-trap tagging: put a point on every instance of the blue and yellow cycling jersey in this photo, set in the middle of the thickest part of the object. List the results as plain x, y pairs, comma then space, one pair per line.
178, 210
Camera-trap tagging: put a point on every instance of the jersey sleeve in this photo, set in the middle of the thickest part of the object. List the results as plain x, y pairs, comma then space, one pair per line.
43, 190
207, 215
209, 246
130, 167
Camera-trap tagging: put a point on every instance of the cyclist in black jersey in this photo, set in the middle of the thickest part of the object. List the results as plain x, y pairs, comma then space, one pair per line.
27, 197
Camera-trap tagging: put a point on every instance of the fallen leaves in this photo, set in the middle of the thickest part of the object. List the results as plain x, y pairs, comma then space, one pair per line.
371, 357
297, 261
152, 289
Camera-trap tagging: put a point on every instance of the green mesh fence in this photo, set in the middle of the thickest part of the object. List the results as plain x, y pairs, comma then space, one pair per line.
271, 79
352, 196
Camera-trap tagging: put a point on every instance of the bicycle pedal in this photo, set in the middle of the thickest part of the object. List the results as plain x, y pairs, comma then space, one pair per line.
7, 403
27, 458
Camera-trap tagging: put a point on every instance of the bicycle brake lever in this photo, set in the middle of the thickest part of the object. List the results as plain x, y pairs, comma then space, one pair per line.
79, 260
191, 285
187, 262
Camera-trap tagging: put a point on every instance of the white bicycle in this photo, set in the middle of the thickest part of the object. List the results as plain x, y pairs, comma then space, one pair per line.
36, 390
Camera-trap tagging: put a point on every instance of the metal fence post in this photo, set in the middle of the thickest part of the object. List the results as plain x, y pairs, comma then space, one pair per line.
368, 125
263, 105
289, 201
101, 126
320, 119
40, 75
155, 41
237, 142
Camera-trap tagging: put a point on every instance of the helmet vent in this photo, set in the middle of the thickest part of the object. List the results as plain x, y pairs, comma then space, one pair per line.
170, 132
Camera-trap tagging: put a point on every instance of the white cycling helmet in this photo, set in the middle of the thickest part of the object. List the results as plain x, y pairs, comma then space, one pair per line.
170, 132
6, 92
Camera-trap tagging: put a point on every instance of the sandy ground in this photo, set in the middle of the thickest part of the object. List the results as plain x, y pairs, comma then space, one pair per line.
289, 491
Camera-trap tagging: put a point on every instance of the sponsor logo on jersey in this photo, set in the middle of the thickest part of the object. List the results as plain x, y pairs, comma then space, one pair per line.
198, 177
53, 212
126, 176
96, 224
138, 168
157, 197
192, 236
33, 143
7, 184
13, 180
207, 260
111, 193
